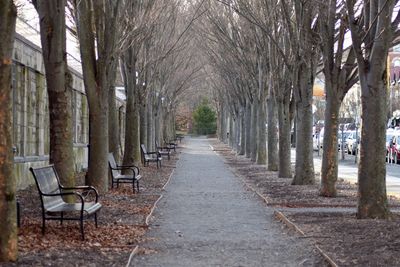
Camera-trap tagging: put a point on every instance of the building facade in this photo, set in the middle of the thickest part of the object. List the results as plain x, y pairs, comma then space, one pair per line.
31, 115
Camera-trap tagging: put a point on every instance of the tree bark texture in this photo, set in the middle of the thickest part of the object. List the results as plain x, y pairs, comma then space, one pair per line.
242, 148
8, 210
132, 128
150, 125
261, 134
329, 169
231, 139
372, 202
304, 170
371, 51
143, 124
113, 122
253, 130
272, 162
59, 87
248, 129
98, 56
285, 166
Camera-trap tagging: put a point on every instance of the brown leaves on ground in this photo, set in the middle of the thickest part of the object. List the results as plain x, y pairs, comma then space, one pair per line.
121, 225
329, 222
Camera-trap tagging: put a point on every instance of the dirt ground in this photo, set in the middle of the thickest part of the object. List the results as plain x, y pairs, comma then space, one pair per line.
122, 225
329, 222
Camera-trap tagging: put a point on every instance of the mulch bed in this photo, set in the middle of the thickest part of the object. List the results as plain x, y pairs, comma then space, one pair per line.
122, 225
329, 222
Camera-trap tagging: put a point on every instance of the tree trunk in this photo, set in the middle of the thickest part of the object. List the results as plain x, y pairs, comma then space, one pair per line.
8, 211
132, 130
113, 122
242, 148
285, 165
371, 50
59, 87
222, 122
304, 170
272, 135
248, 129
231, 131
143, 124
150, 125
329, 169
98, 57
261, 136
253, 130
372, 202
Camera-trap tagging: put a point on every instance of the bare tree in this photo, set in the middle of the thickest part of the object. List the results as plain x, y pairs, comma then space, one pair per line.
340, 75
372, 34
98, 54
8, 211
58, 80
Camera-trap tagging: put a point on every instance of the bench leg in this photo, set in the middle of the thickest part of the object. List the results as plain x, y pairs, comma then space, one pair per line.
81, 227
95, 219
18, 215
61, 218
43, 223
137, 185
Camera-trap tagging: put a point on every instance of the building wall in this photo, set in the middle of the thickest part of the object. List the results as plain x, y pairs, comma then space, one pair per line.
31, 116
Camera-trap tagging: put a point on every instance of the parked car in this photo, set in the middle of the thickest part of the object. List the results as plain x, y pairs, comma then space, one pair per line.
342, 140
318, 139
352, 142
392, 146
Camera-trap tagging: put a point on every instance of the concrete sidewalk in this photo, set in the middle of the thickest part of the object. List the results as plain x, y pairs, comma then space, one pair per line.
208, 218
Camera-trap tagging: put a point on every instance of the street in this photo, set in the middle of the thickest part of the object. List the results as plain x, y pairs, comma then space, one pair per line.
348, 171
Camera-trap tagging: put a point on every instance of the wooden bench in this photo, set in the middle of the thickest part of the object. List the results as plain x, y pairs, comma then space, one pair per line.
117, 177
163, 150
153, 156
54, 207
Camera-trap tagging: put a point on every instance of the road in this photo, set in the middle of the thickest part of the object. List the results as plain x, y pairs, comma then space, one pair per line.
348, 171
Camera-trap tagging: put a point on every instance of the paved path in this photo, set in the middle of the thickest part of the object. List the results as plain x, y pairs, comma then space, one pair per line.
208, 218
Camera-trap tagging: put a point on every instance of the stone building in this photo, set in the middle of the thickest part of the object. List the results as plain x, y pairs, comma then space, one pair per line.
31, 116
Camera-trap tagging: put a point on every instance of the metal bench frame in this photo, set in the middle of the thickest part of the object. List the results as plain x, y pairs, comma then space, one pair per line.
51, 192
163, 150
171, 144
147, 157
117, 177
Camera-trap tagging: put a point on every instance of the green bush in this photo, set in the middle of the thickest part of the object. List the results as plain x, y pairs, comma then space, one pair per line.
204, 120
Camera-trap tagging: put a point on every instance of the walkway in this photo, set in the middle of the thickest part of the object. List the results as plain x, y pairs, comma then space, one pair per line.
208, 218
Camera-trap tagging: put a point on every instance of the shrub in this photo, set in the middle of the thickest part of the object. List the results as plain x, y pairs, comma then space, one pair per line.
204, 120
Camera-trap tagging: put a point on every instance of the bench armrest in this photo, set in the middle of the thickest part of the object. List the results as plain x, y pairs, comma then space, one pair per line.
83, 187
132, 168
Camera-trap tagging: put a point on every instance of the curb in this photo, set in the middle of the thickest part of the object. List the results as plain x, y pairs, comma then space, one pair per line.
133, 253
279, 215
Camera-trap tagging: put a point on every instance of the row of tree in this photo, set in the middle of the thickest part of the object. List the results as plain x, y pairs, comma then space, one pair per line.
146, 41
264, 57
